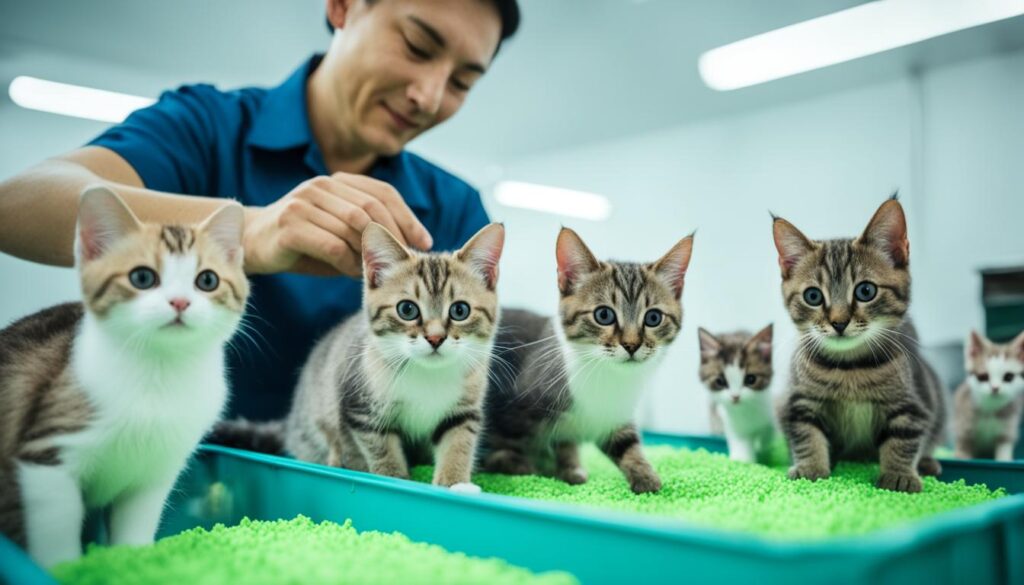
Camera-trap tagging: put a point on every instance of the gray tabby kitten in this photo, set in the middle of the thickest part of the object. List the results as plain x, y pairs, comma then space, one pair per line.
406, 376
102, 402
557, 383
737, 369
990, 401
859, 387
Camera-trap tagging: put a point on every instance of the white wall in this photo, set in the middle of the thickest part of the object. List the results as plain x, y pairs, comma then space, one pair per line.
824, 164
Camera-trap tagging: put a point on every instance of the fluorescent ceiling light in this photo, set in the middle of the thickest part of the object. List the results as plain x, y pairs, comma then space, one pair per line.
553, 200
843, 36
74, 100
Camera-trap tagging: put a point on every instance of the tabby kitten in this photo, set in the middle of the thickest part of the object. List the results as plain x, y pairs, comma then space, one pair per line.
737, 369
103, 402
990, 401
859, 388
407, 375
558, 383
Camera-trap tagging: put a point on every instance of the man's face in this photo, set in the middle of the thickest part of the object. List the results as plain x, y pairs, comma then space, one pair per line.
401, 67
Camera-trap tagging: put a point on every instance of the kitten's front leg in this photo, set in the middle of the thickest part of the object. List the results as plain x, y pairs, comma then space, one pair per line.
135, 516
802, 424
1004, 451
455, 440
567, 464
899, 447
623, 447
383, 452
54, 511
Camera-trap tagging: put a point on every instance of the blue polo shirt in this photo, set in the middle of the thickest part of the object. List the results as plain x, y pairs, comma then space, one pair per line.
255, 145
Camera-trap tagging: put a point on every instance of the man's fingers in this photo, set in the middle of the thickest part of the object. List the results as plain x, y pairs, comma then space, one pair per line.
405, 220
320, 244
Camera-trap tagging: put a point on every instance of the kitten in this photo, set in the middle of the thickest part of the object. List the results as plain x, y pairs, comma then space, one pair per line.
990, 401
102, 402
407, 375
578, 378
737, 369
859, 388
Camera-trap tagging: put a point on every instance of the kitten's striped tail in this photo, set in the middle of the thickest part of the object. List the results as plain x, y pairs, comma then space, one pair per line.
263, 437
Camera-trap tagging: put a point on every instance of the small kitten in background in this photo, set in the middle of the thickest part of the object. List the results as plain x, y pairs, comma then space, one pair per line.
737, 369
406, 376
859, 388
557, 383
990, 400
103, 402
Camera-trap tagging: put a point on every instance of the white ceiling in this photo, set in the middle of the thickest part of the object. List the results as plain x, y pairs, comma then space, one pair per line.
579, 71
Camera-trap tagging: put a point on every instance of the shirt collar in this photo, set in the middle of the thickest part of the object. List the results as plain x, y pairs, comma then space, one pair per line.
283, 120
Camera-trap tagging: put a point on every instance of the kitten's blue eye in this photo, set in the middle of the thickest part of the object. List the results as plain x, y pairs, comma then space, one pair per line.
1007, 377
749, 380
604, 315
459, 311
408, 310
719, 383
983, 377
652, 318
865, 291
813, 296
207, 281
143, 278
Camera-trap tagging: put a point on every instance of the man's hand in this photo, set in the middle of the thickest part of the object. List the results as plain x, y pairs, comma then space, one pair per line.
317, 227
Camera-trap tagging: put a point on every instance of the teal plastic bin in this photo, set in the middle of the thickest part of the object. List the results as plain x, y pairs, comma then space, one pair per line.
977, 545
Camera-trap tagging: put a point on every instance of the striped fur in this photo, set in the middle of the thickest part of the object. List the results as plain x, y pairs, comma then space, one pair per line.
859, 388
101, 402
375, 395
988, 404
558, 383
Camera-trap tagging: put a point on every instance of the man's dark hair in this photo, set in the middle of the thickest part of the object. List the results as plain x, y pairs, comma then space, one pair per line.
508, 10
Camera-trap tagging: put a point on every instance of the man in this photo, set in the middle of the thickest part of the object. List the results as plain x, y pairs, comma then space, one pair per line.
314, 160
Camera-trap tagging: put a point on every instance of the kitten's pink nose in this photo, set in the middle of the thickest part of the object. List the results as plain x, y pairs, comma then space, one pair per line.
995, 389
735, 399
435, 341
180, 304
630, 347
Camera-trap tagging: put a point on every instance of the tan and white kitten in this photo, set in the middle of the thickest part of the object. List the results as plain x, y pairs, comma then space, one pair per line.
989, 402
579, 378
405, 377
737, 370
103, 402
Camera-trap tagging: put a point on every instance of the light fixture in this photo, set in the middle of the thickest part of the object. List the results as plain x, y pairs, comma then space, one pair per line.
849, 34
74, 100
553, 200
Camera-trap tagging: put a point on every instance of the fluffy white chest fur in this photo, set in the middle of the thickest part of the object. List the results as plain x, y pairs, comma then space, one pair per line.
422, 396
150, 415
605, 397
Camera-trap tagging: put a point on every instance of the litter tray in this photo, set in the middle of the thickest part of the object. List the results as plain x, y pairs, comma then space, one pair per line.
979, 544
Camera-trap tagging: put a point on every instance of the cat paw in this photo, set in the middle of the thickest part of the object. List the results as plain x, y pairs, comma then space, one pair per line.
808, 472
929, 466
573, 476
466, 487
899, 482
645, 484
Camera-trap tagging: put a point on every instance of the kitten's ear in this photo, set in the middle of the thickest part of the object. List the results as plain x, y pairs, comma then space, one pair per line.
103, 219
709, 344
976, 345
574, 260
762, 342
1017, 346
791, 243
225, 228
672, 266
483, 251
887, 231
381, 251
